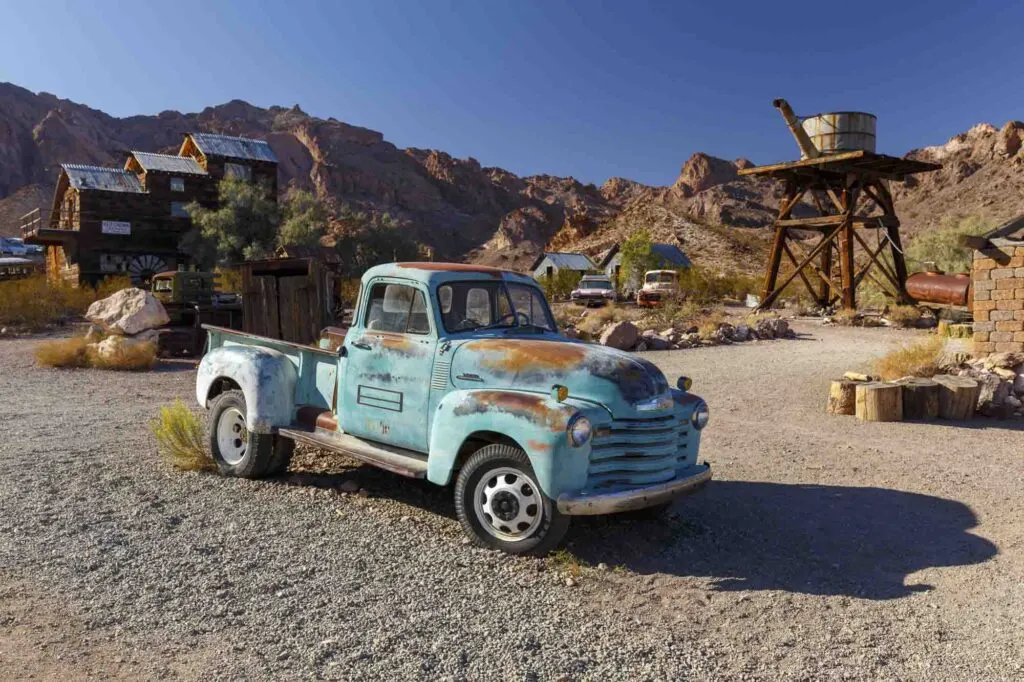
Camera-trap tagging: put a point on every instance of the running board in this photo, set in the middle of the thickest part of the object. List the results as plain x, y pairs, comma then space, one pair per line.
396, 460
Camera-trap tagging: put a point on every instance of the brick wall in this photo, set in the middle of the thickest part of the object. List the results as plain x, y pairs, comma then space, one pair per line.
998, 283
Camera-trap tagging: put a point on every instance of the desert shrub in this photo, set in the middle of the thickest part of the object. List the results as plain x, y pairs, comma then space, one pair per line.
560, 285
702, 286
229, 280
707, 330
922, 359
845, 317
111, 285
673, 314
904, 316
942, 246
63, 353
753, 319
35, 302
595, 320
954, 331
180, 438
135, 357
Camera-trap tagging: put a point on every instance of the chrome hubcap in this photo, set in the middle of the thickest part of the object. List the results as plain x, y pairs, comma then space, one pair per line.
232, 436
508, 504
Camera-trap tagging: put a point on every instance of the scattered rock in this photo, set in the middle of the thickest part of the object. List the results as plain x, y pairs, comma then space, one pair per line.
622, 335
741, 332
772, 328
641, 347
569, 582
128, 312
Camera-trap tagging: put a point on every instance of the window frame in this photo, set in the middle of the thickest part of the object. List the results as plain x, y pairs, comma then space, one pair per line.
180, 182
366, 307
537, 291
184, 211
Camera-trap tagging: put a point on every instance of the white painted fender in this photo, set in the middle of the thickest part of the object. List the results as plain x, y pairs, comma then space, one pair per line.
267, 379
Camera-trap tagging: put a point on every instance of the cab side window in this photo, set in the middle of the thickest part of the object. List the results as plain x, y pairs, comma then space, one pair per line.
397, 308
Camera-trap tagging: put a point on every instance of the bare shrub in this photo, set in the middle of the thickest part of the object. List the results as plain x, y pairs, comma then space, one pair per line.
35, 302
904, 316
180, 438
135, 357
922, 359
63, 353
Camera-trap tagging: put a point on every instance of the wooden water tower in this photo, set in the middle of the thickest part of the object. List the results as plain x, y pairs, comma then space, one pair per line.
855, 221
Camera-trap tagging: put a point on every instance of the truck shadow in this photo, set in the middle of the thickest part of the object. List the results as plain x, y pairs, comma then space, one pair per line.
810, 539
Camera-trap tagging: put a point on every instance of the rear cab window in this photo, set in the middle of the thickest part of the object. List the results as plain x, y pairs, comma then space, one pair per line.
398, 309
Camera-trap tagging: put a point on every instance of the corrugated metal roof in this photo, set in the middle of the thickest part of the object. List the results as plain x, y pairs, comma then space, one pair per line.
670, 253
14, 260
566, 261
168, 163
234, 147
99, 177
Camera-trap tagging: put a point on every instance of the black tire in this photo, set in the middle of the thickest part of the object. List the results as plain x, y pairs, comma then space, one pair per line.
647, 513
252, 455
550, 527
282, 456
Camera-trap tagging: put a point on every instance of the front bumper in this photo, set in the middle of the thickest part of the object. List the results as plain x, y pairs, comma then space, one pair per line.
636, 498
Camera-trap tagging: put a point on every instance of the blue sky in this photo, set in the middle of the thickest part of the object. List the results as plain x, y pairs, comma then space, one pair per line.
589, 89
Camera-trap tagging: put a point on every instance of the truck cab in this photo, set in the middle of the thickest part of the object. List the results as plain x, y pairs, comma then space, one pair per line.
458, 374
658, 287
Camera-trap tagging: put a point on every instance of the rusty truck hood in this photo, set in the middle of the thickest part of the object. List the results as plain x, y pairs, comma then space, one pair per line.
614, 378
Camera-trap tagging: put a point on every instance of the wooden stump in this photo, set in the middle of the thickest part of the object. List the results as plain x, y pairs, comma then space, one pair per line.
958, 396
920, 398
878, 401
842, 397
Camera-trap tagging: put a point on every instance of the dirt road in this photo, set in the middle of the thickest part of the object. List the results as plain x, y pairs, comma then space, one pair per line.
825, 549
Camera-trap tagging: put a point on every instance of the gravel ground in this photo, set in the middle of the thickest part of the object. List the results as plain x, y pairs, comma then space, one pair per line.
825, 548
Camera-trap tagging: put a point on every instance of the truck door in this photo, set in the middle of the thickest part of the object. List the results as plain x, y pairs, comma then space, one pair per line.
388, 358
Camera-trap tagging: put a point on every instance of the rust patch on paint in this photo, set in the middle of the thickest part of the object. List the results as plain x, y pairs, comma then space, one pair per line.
532, 408
538, 445
456, 267
518, 355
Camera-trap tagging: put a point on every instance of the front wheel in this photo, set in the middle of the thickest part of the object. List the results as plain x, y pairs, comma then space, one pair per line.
500, 505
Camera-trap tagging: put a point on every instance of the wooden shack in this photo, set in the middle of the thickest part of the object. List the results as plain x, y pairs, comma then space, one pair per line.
289, 299
130, 220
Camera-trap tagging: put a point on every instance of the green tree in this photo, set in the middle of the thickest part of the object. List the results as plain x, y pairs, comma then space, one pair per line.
305, 220
244, 226
365, 240
637, 256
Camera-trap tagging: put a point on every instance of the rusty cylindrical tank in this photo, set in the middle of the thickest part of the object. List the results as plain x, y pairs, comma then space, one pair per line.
934, 287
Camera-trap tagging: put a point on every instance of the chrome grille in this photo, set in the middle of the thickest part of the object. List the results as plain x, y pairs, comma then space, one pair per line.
632, 452
439, 377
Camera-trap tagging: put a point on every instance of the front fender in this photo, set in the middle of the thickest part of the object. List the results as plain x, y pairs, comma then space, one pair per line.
267, 379
536, 422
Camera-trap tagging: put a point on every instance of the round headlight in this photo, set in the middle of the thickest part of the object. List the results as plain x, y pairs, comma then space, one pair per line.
700, 415
579, 430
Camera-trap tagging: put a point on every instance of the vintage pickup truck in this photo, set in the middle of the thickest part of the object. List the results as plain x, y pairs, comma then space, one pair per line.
458, 372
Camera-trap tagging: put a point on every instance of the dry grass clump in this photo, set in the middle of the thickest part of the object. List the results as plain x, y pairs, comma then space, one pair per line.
180, 438
76, 352
136, 357
954, 331
707, 331
845, 317
597, 319
904, 316
35, 302
922, 359
63, 353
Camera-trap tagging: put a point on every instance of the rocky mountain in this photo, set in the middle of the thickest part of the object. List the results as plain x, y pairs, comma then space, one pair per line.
464, 210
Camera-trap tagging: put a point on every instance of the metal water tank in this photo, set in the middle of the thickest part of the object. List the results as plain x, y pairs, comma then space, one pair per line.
841, 131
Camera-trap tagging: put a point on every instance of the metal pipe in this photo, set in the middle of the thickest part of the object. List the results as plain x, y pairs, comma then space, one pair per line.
793, 121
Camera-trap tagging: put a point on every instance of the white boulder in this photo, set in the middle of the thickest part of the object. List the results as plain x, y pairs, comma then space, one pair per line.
128, 312
621, 335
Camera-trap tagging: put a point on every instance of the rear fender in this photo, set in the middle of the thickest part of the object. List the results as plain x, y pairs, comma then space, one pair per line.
267, 379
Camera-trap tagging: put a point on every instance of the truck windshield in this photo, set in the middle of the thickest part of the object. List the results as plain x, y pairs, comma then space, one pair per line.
660, 277
476, 305
595, 284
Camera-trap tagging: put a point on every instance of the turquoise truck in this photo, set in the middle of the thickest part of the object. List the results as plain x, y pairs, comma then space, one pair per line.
457, 373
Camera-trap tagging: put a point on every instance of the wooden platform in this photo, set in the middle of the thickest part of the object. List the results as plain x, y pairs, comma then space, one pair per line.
860, 161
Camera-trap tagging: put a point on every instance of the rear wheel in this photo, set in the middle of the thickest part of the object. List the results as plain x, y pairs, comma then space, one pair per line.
500, 505
237, 450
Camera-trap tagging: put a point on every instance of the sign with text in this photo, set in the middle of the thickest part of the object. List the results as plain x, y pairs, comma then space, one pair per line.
116, 227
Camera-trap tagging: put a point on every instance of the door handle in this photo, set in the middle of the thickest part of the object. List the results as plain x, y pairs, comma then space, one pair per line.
362, 346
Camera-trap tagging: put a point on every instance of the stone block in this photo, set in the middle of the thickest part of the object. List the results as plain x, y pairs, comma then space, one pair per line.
983, 263
980, 336
1002, 273
1000, 315
981, 315
1008, 326
1013, 304
985, 305
984, 326
1000, 294
984, 285
1010, 347
1007, 284
983, 347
